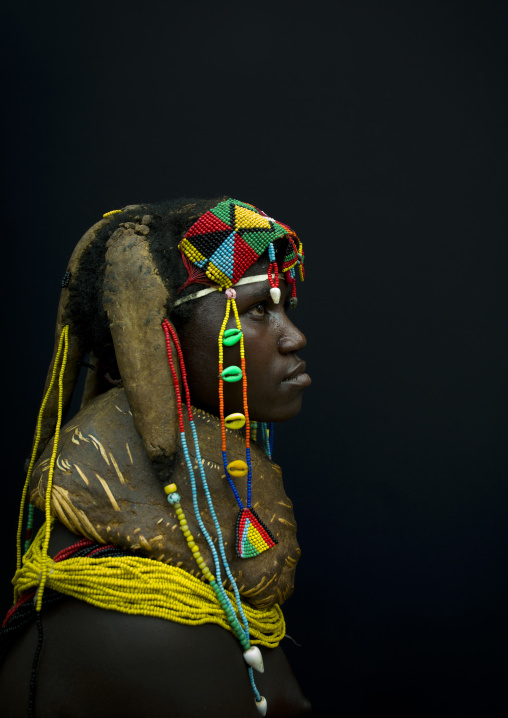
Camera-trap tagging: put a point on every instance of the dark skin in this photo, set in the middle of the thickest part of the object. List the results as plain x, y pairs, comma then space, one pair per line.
105, 663
275, 373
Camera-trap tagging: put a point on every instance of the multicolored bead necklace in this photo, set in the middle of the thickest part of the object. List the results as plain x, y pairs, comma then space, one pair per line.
252, 654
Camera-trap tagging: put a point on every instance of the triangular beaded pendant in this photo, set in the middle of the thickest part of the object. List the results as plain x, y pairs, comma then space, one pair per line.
252, 536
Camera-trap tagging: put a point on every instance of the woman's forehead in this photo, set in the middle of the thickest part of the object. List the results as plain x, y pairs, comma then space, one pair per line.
245, 294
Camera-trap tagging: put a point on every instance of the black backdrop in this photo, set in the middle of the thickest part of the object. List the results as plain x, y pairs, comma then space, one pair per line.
378, 130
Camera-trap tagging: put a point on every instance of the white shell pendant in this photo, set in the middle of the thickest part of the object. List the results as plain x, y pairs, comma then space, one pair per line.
262, 706
275, 294
254, 659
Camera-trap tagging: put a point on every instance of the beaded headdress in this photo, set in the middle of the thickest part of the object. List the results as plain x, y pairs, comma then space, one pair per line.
231, 237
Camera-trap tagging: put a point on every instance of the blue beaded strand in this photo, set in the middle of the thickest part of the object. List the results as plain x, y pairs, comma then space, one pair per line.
220, 540
242, 632
271, 437
257, 694
29, 526
230, 481
263, 438
249, 477
243, 635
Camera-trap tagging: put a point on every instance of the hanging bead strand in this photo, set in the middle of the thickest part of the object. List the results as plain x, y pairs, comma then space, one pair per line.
242, 632
245, 406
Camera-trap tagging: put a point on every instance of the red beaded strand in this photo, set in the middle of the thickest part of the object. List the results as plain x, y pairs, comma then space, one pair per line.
273, 269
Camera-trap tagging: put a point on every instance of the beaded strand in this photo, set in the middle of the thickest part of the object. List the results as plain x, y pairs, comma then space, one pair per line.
231, 303
216, 584
169, 331
64, 342
206, 489
251, 655
252, 536
60, 360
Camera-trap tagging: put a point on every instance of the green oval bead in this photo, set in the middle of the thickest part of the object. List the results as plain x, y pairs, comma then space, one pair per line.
231, 336
232, 373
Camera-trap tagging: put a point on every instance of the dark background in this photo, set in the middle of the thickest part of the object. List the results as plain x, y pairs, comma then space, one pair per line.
378, 131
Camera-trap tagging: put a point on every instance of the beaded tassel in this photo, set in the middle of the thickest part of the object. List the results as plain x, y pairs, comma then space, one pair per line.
252, 536
216, 584
265, 437
58, 371
273, 275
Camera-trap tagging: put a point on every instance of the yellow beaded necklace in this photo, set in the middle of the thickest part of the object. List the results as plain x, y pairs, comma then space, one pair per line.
141, 586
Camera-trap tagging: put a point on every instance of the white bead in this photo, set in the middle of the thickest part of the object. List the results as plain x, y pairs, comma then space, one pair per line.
275, 294
254, 658
262, 706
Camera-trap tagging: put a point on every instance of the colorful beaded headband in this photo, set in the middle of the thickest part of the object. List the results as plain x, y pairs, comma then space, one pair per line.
231, 237
209, 290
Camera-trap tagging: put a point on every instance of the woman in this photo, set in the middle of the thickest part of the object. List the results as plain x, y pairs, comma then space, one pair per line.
147, 471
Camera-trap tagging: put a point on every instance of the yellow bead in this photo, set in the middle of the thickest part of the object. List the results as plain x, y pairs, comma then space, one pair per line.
170, 489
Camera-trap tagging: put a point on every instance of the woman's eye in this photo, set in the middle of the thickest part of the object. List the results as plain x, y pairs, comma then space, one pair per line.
258, 310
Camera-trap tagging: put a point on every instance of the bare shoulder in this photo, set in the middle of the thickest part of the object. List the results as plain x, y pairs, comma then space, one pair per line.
105, 663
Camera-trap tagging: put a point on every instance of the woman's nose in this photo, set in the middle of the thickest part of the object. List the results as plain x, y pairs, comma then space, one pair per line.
292, 339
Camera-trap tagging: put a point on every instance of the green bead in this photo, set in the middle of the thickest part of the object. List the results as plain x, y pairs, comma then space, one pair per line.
232, 373
231, 336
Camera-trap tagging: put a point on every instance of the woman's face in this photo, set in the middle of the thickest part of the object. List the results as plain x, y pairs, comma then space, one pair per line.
276, 375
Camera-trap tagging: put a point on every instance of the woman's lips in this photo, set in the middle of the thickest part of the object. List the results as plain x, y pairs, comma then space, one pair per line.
298, 376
